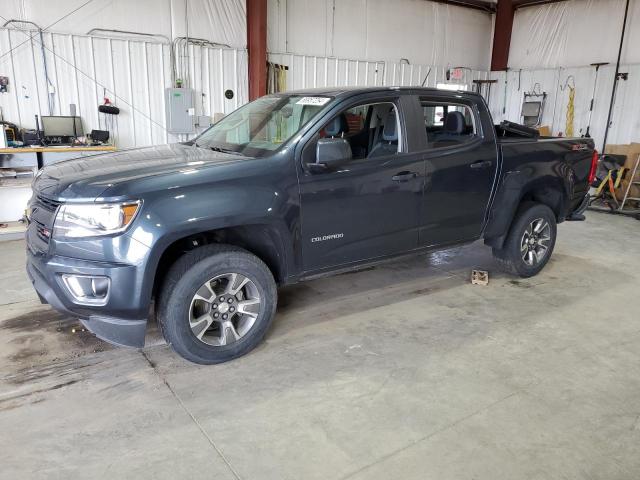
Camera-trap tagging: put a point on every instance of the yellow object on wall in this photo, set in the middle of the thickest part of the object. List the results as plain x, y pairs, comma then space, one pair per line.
568, 129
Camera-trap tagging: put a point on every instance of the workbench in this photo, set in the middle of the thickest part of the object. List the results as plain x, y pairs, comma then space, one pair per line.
18, 165
47, 155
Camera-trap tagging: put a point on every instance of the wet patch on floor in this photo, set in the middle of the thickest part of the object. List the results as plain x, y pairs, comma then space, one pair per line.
423, 291
520, 284
44, 336
37, 321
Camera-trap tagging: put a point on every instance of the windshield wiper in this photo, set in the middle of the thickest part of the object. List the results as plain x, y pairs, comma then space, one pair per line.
226, 150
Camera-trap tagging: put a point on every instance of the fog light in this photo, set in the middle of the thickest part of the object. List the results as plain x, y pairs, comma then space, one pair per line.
100, 286
88, 289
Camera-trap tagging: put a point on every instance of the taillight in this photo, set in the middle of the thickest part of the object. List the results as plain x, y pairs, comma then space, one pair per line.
594, 166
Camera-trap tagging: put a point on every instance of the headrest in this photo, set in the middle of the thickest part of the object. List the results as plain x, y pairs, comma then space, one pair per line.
337, 126
390, 132
454, 122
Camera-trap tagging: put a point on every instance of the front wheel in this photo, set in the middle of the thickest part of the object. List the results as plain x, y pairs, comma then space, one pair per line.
530, 241
216, 304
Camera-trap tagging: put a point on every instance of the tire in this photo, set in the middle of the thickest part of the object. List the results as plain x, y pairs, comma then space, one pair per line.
519, 249
190, 298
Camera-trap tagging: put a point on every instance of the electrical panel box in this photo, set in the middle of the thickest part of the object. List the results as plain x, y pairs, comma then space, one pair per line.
179, 110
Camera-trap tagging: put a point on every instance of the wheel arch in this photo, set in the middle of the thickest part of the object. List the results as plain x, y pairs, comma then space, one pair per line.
265, 241
549, 191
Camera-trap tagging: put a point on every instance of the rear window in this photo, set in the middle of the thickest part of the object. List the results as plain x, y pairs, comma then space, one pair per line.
447, 124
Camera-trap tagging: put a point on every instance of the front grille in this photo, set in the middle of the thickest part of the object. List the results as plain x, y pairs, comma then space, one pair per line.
41, 217
44, 233
47, 203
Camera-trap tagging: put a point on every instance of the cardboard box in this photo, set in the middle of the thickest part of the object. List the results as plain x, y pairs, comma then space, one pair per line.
632, 151
617, 149
544, 130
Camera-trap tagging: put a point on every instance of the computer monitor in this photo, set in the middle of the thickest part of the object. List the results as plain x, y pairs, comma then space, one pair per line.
62, 127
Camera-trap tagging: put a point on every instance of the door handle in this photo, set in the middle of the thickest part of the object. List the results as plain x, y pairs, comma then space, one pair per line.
481, 164
404, 176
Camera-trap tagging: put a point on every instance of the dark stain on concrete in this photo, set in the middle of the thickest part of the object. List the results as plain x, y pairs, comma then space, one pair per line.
55, 368
10, 406
39, 320
27, 353
422, 291
33, 392
36, 331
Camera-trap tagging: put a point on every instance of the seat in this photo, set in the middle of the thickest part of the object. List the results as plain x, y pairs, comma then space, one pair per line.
388, 145
337, 127
453, 131
454, 123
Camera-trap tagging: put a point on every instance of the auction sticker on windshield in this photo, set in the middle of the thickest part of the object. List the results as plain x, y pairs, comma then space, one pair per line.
313, 101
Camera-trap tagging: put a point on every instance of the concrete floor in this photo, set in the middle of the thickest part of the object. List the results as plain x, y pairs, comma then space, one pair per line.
403, 371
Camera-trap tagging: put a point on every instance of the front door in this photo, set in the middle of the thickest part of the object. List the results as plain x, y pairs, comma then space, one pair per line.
369, 207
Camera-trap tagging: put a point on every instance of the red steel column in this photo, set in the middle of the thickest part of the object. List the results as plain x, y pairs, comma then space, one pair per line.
502, 35
257, 47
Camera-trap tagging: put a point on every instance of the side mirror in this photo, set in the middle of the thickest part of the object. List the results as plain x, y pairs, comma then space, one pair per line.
331, 153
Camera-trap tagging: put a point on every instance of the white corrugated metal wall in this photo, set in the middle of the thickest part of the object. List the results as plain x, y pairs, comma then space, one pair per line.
551, 43
82, 69
135, 72
625, 124
423, 32
376, 42
310, 71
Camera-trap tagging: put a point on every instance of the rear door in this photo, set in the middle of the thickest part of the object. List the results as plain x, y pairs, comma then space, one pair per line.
461, 167
370, 206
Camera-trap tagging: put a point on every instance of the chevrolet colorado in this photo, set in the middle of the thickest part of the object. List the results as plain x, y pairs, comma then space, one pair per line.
289, 187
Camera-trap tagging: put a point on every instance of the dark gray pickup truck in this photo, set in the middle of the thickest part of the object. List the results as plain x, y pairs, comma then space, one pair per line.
289, 187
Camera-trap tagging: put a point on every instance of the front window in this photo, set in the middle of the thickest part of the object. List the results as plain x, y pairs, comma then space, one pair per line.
262, 126
371, 130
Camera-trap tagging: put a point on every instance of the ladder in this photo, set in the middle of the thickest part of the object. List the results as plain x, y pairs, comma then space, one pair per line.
632, 181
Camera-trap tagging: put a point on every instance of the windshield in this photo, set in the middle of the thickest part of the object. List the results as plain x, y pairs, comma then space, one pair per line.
262, 126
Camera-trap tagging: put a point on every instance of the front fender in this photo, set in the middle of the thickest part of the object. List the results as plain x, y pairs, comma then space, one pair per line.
172, 216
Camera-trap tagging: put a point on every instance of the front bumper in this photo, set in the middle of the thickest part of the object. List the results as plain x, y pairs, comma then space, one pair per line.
120, 321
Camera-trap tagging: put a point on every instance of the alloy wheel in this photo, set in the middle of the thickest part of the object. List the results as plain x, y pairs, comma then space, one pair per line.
534, 244
224, 309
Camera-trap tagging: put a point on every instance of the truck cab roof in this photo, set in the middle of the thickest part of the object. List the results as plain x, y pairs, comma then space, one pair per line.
351, 91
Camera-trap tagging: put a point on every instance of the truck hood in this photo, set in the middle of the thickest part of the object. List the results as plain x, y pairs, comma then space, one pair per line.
89, 177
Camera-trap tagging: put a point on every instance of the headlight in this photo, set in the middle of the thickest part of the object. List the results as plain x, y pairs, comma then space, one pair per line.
92, 219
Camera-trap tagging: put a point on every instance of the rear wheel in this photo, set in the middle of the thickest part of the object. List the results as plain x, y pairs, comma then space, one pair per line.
216, 304
530, 241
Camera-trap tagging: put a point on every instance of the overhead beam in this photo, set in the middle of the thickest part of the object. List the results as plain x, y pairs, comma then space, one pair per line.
532, 3
505, 10
484, 5
490, 7
257, 47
